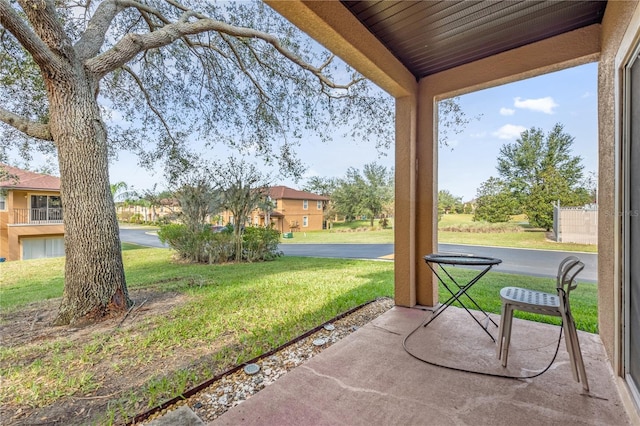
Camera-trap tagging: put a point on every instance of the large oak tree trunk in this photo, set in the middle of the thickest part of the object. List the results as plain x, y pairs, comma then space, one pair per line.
95, 284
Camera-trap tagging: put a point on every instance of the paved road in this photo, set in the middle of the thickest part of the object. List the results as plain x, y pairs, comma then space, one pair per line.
542, 263
141, 236
522, 261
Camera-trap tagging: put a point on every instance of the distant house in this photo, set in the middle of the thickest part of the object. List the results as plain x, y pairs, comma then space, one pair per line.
30, 216
142, 211
292, 211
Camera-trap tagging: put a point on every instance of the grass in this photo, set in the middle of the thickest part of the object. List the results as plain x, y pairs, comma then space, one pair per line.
231, 313
359, 232
384, 236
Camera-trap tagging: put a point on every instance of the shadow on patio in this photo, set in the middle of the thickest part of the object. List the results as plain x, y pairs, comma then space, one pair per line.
368, 379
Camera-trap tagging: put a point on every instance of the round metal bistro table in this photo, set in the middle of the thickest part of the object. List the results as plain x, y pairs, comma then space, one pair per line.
440, 262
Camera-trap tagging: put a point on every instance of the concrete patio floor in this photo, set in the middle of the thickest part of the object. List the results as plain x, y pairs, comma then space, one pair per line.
369, 379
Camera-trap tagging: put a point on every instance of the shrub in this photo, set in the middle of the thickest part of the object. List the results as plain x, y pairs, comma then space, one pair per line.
207, 246
189, 244
220, 247
260, 244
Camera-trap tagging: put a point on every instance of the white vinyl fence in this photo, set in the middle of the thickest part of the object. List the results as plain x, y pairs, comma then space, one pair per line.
576, 224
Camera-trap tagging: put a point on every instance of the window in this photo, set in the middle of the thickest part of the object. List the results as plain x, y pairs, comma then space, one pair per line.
3, 202
305, 204
46, 208
631, 228
319, 205
305, 221
36, 248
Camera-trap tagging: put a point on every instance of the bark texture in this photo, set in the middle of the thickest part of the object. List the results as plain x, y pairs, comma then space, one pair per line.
95, 284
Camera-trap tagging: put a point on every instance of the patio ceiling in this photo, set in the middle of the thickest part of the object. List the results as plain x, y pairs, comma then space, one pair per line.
432, 36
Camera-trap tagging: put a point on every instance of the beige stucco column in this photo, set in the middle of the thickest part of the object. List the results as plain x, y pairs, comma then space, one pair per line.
405, 201
426, 194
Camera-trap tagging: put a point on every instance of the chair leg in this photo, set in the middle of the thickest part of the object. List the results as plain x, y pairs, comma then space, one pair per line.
569, 340
579, 361
500, 332
506, 334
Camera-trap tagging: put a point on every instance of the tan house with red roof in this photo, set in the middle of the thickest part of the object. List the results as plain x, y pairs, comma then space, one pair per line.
292, 211
30, 215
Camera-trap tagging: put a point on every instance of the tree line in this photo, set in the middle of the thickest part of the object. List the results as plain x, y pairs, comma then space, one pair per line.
534, 172
360, 193
239, 187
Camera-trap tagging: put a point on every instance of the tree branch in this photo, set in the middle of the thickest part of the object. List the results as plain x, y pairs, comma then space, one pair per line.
132, 44
93, 38
149, 101
10, 20
43, 16
244, 69
26, 126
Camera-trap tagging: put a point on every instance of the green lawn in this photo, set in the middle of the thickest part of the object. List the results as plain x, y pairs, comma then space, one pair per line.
359, 232
384, 236
228, 315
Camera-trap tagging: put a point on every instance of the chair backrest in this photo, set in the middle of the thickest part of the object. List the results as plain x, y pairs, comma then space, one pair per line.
569, 268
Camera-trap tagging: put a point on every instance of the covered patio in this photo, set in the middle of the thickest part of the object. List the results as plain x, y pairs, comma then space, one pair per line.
420, 53
369, 379
423, 52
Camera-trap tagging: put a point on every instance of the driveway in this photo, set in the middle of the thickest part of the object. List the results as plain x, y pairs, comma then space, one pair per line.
542, 263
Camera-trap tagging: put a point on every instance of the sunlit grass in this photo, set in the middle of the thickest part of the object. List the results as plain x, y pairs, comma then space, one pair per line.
584, 300
229, 314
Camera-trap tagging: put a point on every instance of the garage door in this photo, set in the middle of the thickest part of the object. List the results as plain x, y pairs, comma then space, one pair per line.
36, 248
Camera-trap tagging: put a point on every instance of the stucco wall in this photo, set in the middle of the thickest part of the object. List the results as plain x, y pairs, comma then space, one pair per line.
17, 232
10, 234
294, 212
615, 24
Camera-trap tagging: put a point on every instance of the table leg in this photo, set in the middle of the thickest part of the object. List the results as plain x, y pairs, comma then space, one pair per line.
456, 297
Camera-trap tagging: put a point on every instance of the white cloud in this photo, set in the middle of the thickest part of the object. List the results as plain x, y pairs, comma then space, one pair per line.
545, 105
507, 111
509, 131
586, 95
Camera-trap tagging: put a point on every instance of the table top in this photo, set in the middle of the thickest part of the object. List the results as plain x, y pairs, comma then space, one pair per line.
461, 259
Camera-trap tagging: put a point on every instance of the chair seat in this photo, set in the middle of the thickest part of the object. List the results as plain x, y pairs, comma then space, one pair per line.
523, 297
